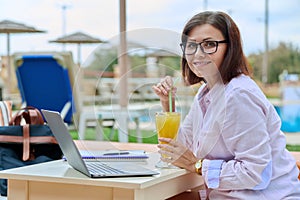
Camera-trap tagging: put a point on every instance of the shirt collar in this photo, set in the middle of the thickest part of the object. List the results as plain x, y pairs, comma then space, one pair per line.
215, 92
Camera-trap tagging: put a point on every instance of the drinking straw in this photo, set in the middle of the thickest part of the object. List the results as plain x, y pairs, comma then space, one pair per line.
170, 101
170, 96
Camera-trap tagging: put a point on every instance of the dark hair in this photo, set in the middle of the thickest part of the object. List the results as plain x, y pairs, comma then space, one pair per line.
235, 62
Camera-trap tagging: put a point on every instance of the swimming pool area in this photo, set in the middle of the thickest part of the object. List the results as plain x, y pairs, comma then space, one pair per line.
290, 117
290, 112
288, 109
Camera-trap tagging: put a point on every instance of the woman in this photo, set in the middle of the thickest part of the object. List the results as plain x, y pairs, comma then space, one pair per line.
231, 135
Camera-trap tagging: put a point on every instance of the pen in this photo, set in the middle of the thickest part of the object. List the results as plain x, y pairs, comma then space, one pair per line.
116, 153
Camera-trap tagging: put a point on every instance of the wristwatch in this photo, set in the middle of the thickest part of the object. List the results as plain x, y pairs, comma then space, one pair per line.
198, 166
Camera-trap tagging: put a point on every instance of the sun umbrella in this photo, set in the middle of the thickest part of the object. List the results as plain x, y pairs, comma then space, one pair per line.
8, 27
77, 38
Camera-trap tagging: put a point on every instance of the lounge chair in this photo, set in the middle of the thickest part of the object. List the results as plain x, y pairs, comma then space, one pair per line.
44, 83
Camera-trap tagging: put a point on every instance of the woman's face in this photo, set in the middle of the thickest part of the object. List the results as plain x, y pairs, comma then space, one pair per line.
203, 64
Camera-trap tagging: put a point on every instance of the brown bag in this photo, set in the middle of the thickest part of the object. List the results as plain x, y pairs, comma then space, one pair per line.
34, 131
28, 144
30, 114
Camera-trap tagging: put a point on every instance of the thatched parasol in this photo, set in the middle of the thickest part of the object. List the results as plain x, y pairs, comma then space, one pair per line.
77, 38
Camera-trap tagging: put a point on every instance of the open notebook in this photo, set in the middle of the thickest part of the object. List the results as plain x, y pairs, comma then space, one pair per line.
96, 169
114, 155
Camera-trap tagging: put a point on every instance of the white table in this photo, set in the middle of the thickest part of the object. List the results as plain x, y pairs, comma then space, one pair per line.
57, 180
112, 112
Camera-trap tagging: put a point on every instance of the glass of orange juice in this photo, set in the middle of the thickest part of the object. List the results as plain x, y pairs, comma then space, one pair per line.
167, 125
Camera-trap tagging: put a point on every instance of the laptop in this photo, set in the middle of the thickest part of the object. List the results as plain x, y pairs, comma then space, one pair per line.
93, 169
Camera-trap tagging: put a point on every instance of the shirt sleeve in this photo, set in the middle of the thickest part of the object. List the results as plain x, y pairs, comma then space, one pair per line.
246, 137
212, 170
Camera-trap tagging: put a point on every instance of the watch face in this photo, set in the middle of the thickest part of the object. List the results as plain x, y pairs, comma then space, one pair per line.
198, 165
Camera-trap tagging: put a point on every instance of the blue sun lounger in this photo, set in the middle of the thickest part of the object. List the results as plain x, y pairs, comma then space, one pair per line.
44, 83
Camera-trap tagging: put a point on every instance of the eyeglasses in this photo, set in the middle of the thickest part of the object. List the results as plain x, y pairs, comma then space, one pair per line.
209, 47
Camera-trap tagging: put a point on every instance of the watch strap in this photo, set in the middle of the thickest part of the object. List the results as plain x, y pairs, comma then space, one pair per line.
198, 166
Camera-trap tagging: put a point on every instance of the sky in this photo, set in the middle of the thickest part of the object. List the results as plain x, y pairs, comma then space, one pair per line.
100, 19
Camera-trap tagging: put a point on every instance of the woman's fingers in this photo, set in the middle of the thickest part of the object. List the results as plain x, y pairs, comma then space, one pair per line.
171, 147
177, 154
165, 140
178, 159
170, 144
168, 81
159, 89
164, 86
156, 90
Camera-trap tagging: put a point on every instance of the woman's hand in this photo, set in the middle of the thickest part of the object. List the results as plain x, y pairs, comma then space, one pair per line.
162, 90
177, 154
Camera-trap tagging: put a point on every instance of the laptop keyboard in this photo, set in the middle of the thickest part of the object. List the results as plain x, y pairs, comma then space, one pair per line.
101, 168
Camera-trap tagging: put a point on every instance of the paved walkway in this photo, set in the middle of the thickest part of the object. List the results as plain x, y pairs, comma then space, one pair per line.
293, 138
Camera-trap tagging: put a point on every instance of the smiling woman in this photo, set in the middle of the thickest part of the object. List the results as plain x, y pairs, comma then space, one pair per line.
231, 135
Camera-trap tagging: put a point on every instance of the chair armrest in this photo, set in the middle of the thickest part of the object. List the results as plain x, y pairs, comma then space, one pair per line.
65, 109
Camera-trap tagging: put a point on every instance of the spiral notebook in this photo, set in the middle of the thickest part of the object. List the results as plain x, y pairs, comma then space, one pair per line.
114, 155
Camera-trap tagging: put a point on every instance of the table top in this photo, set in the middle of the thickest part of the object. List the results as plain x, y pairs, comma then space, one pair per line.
60, 172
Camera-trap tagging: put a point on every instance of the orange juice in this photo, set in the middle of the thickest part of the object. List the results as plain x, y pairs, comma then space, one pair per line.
167, 124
